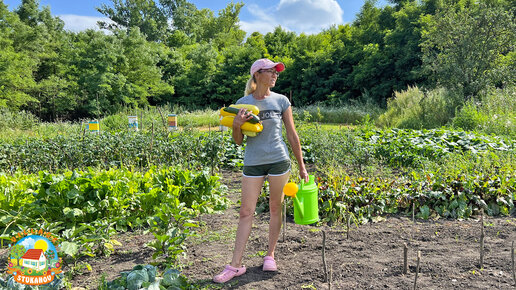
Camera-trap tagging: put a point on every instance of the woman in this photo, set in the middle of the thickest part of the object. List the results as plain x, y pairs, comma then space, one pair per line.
266, 155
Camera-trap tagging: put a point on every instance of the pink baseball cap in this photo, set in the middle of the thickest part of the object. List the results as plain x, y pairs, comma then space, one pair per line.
265, 63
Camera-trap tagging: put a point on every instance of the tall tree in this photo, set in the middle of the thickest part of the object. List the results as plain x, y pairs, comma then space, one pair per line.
28, 12
463, 46
143, 75
148, 16
199, 62
278, 42
16, 66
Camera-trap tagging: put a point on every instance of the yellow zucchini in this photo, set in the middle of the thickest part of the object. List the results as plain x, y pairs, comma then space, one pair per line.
254, 109
247, 126
249, 133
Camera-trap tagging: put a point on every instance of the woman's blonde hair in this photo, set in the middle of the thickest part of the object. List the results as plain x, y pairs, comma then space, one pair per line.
250, 87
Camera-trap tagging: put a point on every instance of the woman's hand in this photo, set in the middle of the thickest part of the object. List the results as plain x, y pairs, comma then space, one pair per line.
242, 117
303, 174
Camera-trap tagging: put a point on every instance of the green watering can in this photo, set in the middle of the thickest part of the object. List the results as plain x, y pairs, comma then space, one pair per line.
306, 207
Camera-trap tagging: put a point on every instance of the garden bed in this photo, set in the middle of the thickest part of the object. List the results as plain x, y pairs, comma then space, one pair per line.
371, 258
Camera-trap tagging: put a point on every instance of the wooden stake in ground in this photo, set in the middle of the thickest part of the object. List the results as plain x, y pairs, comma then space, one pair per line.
284, 218
417, 268
482, 239
405, 259
512, 258
323, 256
141, 119
347, 228
331, 277
413, 211
162, 119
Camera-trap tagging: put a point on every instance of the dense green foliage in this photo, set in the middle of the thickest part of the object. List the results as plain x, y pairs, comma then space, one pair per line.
170, 52
394, 148
86, 208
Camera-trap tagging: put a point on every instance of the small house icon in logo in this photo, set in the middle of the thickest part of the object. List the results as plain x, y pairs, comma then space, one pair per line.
33, 260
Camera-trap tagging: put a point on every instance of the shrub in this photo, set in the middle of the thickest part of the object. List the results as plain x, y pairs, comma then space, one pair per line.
417, 109
117, 122
499, 106
19, 120
495, 113
469, 118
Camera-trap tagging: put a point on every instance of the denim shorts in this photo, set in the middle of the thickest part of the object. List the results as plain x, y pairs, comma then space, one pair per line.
273, 169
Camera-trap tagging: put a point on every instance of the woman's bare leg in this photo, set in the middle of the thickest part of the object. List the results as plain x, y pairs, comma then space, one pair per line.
276, 184
251, 188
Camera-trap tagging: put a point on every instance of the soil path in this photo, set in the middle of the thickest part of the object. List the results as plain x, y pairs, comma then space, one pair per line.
372, 257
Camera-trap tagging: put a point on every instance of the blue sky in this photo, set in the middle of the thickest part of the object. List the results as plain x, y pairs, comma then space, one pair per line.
309, 16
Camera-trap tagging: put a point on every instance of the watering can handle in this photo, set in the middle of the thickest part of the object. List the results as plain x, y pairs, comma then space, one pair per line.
311, 179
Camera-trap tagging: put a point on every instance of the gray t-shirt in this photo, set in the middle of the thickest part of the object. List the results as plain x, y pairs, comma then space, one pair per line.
268, 147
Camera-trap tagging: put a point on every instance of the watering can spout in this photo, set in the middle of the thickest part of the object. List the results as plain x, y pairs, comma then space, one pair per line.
298, 207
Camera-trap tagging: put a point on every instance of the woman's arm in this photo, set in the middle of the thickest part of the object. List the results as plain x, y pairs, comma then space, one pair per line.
295, 144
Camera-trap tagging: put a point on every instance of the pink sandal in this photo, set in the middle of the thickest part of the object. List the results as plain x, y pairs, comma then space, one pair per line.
269, 264
229, 273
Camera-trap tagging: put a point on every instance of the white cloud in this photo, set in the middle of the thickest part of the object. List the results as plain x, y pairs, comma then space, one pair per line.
308, 16
259, 26
78, 23
264, 20
28, 243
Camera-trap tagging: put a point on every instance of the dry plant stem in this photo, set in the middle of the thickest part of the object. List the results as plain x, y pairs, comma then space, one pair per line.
512, 262
482, 239
405, 259
417, 268
324, 257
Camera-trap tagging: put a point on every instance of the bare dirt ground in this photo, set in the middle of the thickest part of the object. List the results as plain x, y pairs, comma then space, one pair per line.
372, 257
